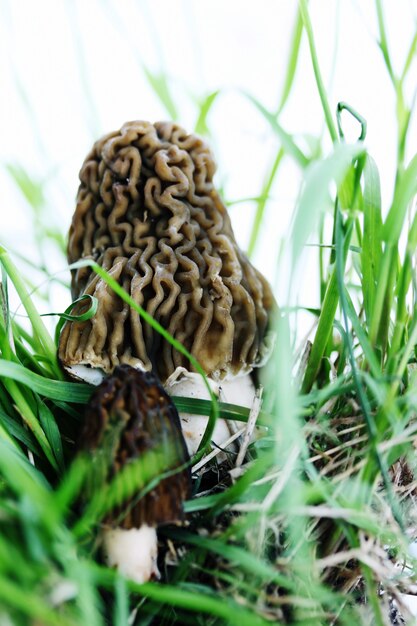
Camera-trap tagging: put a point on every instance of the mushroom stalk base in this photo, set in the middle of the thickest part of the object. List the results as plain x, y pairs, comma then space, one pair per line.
132, 552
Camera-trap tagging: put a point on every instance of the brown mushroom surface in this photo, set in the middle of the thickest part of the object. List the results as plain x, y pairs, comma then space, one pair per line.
148, 212
130, 415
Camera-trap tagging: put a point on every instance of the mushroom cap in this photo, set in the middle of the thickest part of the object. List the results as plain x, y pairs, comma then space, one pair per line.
130, 415
148, 212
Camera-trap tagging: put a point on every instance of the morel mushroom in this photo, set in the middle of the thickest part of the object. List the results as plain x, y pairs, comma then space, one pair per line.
128, 417
148, 212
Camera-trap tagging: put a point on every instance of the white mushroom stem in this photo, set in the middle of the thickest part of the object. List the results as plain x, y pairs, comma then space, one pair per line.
237, 390
133, 552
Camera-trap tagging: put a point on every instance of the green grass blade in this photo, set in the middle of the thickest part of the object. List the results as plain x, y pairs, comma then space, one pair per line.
403, 286
51, 430
405, 190
241, 486
217, 606
262, 201
344, 106
405, 356
159, 83
201, 127
121, 606
15, 430
35, 318
372, 235
53, 389
368, 352
383, 41
31, 189
67, 317
385, 278
323, 332
23, 477
292, 61
23, 403
247, 562
226, 410
316, 195
285, 138
317, 73
409, 59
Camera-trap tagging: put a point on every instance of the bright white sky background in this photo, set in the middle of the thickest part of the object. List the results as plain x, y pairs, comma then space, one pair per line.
72, 70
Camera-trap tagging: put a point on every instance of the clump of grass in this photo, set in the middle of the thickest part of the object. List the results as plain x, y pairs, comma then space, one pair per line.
314, 526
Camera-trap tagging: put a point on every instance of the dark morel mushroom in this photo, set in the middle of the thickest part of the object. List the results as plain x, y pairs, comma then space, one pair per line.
130, 416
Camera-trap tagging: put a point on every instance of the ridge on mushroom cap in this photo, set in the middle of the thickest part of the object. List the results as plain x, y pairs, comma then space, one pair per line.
148, 212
